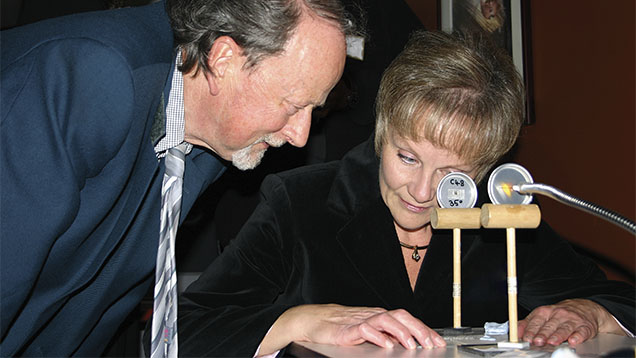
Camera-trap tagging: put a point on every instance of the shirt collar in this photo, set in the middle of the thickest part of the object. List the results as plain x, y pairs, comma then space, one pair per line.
175, 123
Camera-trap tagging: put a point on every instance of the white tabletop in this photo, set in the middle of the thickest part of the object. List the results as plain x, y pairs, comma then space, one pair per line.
599, 346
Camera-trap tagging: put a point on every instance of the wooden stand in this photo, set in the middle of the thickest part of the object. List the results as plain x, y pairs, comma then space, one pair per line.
456, 219
511, 217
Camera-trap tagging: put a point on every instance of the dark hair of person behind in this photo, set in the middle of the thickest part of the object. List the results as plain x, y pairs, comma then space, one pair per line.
260, 27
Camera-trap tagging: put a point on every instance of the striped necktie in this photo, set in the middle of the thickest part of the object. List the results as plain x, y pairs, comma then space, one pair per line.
164, 318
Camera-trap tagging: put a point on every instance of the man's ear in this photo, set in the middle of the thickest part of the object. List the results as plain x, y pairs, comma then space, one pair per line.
223, 60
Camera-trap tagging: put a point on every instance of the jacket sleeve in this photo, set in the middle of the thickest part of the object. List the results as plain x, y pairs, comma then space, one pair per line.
62, 105
230, 308
554, 271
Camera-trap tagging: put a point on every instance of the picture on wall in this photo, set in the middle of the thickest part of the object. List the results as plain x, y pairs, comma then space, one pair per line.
506, 21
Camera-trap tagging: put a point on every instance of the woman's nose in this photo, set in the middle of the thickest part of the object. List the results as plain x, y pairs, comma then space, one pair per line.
423, 188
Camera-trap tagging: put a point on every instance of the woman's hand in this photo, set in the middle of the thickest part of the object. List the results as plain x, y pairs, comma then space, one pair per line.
346, 326
574, 321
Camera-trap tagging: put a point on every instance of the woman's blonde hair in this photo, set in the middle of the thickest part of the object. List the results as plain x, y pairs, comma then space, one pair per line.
460, 92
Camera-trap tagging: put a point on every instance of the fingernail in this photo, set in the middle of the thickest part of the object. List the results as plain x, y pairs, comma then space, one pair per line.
389, 344
553, 340
440, 342
411, 343
428, 343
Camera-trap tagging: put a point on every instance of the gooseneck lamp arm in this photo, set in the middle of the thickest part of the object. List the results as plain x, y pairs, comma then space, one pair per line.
560, 196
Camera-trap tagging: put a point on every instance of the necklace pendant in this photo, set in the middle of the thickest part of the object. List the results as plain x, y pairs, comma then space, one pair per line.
416, 255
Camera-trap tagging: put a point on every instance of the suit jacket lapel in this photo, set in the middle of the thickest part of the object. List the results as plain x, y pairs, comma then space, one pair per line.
158, 129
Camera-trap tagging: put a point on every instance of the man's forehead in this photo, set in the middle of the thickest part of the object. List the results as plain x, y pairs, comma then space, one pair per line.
309, 66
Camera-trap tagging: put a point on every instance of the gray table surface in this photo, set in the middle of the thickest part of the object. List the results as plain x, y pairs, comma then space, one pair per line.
601, 345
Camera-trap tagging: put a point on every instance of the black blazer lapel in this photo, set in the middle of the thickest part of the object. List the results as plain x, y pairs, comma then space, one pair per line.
370, 243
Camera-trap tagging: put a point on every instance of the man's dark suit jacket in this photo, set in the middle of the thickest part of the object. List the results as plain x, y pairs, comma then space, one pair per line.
80, 181
322, 234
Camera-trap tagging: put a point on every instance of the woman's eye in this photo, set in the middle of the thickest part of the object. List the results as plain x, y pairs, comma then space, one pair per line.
406, 159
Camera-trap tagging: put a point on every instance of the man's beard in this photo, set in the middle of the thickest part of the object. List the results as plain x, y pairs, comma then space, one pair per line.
249, 158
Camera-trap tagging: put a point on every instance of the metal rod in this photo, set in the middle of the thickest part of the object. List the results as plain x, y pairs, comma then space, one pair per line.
560, 196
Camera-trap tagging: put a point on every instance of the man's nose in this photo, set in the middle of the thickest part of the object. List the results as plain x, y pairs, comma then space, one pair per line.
297, 129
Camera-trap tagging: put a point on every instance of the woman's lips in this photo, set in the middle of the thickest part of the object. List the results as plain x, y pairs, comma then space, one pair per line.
413, 208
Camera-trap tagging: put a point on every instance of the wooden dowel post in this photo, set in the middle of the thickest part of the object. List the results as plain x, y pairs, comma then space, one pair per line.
457, 279
511, 217
512, 284
456, 219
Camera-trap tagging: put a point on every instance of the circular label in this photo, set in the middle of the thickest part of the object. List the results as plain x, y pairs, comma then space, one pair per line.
456, 190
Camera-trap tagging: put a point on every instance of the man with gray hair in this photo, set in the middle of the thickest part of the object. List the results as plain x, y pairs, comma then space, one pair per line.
91, 106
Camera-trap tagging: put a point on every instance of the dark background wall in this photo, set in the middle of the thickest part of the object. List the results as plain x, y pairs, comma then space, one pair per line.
582, 141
